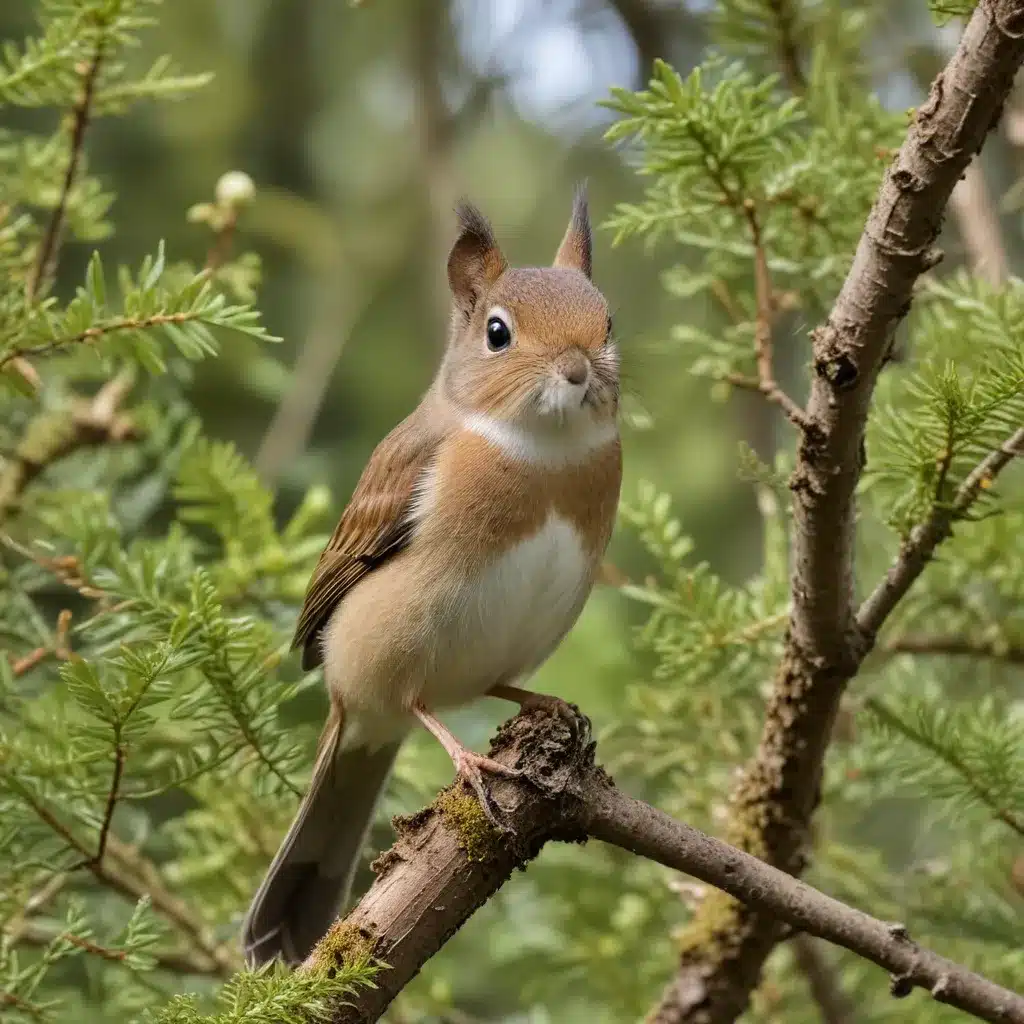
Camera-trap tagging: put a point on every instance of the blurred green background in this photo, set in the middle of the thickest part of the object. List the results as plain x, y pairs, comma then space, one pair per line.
361, 126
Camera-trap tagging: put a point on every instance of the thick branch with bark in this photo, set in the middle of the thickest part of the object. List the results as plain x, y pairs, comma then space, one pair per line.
449, 859
727, 944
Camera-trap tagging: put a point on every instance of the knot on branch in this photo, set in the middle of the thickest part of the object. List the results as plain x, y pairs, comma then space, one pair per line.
556, 752
840, 371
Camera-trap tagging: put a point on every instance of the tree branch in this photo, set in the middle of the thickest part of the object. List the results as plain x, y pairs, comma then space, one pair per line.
918, 549
49, 249
127, 872
955, 646
33, 933
727, 944
449, 860
978, 221
112, 797
788, 51
92, 334
765, 300
335, 314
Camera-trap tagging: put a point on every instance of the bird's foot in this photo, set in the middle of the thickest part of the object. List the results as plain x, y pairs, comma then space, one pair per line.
529, 701
470, 767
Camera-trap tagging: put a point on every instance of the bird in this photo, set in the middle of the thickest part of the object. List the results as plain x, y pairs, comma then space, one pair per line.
466, 553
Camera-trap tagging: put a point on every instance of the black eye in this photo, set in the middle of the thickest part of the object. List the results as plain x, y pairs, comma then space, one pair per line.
498, 335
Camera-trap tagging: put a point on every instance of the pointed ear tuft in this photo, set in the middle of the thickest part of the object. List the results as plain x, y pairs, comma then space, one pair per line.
475, 262
576, 249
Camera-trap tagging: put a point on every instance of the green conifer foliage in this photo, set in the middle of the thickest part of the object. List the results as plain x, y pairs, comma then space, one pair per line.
149, 762
147, 591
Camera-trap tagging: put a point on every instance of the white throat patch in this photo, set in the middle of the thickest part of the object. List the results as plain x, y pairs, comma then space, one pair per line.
563, 444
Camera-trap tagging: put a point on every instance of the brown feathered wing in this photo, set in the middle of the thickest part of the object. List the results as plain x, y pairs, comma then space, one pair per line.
375, 526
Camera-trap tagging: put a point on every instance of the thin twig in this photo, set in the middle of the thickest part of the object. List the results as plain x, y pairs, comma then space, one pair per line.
112, 796
918, 549
51, 437
978, 221
335, 314
789, 53
175, 961
954, 646
91, 334
114, 790
27, 662
220, 250
66, 568
93, 948
20, 923
10, 999
49, 249
60, 648
61, 640
720, 290
134, 877
765, 300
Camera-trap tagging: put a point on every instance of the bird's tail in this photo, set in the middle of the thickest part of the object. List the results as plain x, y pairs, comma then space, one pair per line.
310, 877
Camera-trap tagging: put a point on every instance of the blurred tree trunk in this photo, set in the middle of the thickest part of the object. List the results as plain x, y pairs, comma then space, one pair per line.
430, 40
286, 96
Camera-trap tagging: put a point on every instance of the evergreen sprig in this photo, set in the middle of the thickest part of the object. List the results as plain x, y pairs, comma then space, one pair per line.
269, 995
148, 587
734, 169
959, 757
965, 393
148, 307
711, 647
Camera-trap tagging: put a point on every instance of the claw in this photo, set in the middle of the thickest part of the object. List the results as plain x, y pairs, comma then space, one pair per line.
530, 701
470, 766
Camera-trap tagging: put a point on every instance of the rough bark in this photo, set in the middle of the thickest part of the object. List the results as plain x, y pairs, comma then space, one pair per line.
449, 859
727, 944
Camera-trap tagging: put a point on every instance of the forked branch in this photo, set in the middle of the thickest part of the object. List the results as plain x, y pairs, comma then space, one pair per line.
828, 638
